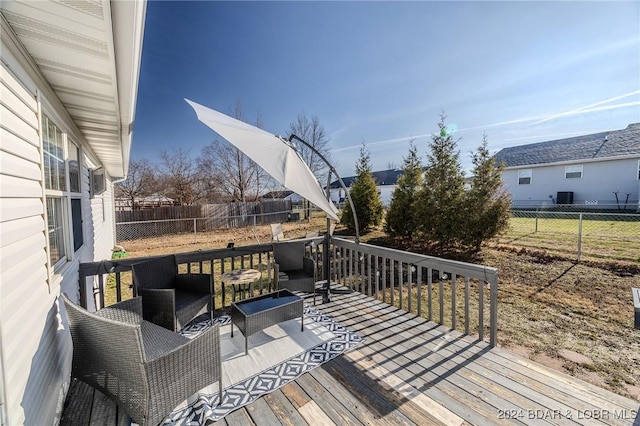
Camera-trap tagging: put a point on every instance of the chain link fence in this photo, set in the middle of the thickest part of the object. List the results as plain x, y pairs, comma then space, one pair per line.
583, 235
126, 231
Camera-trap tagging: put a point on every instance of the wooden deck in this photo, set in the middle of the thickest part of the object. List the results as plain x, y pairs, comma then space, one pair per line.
408, 371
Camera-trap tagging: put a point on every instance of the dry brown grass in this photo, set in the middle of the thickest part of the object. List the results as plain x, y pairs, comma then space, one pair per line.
218, 239
546, 303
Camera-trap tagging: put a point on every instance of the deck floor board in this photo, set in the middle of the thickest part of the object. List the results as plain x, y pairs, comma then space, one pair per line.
409, 371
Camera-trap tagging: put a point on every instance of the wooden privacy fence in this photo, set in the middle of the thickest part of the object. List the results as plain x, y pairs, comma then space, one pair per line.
208, 217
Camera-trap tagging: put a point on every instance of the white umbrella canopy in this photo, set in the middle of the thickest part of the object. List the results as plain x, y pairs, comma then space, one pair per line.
270, 152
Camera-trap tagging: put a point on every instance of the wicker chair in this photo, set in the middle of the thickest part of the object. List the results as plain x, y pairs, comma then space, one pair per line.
146, 369
295, 271
169, 299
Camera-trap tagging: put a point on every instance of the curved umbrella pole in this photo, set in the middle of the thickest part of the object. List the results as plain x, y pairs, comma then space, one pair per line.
333, 170
326, 298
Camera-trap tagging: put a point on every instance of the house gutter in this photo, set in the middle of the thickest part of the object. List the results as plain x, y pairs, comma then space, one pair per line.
582, 160
127, 32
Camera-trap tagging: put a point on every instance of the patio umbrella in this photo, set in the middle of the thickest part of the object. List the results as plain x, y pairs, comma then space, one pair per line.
271, 152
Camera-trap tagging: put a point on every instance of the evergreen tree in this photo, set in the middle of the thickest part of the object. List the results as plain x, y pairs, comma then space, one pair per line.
399, 220
487, 203
366, 199
438, 207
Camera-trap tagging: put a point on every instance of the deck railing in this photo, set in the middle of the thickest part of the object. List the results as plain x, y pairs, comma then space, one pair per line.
424, 285
421, 284
214, 262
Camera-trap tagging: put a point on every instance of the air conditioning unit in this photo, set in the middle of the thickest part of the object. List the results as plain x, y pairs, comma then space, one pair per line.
98, 181
564, 198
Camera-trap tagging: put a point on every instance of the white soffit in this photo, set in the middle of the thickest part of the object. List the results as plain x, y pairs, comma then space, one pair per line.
90, 62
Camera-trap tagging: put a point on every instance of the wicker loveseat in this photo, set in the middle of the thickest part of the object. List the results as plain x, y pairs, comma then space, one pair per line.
170, 299
146, 369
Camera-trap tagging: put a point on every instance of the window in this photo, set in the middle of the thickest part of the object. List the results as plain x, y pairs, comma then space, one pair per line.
63, 192
524, 177
55, 217
573, 172
54, 170
74, 168
76, 220
638, 169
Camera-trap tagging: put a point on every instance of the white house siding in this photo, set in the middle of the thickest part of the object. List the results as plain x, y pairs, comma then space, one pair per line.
599, 181
385, 192
102, 216
35, 348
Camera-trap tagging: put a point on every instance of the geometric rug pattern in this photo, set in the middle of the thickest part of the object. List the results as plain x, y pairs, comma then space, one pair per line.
204, 409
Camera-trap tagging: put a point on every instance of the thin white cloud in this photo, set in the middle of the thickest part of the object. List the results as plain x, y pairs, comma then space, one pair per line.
591, 107
502, 123
594, 107
384, 142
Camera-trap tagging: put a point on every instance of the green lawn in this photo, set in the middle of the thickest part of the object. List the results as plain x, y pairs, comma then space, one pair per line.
601, 239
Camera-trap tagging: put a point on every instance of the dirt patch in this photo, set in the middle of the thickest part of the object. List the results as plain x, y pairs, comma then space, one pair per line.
547, 304
558, 306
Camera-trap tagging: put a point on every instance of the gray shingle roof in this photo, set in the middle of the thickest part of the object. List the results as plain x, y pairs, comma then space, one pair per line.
599, 145
383, 177
277, 194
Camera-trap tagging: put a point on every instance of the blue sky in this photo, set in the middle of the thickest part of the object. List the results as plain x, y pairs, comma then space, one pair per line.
382, 72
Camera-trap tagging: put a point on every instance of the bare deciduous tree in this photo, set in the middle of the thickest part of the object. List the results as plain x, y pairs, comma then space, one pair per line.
140, 182
312, 132
179, 177
224, 167
263, 179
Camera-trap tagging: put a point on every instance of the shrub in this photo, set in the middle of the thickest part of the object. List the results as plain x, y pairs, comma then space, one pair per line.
438, 207
487, 204
400, 222
366, 199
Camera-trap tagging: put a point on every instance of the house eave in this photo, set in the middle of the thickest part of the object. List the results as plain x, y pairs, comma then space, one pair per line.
85, 59
128, 30
577, 161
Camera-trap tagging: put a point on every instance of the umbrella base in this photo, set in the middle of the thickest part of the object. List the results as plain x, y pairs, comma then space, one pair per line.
327, 292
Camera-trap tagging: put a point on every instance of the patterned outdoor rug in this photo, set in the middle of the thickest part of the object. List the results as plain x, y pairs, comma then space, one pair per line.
277, 356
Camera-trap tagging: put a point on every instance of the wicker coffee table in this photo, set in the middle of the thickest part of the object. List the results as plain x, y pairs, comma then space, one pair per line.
256, 314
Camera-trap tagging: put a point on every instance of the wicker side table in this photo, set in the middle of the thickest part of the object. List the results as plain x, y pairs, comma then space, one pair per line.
241, 281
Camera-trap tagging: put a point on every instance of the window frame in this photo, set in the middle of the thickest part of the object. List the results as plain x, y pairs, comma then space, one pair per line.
522, 174
573, 170
638, 175
58, 187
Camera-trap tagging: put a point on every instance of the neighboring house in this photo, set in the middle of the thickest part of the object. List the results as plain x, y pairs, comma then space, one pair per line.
283, 195
386, 182
589, 170
141, 203
69, 77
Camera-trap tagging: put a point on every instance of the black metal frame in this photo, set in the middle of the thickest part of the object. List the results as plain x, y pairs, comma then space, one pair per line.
326, 291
